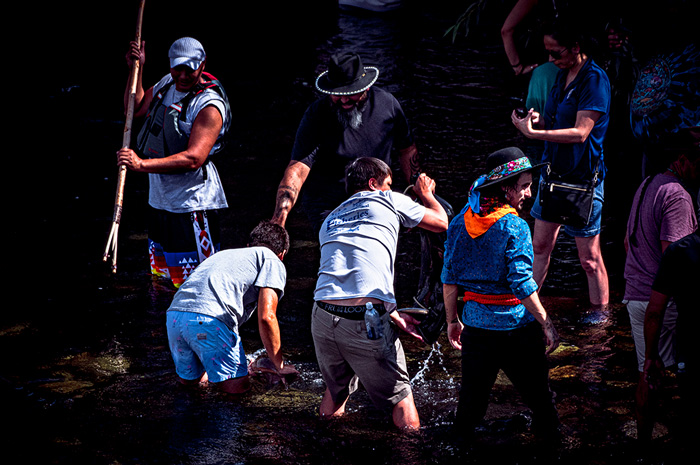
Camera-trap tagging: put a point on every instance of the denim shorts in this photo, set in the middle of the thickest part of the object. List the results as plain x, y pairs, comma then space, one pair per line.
594, 225
199, 343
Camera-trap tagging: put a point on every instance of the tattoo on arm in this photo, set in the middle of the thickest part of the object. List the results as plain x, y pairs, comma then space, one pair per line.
414, 163
286, 198
410, 163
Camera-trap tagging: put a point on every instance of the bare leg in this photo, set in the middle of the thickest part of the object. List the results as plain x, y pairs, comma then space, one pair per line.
405, 415
235, 385
544, 238
644, 410
591, 258
330, 409
202, 381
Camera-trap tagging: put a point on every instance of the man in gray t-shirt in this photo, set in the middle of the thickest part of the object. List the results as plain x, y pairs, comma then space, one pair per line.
223, 292
358, 248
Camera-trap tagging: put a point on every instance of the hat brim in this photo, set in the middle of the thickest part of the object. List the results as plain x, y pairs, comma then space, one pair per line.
491, 182
369, 77
189, 62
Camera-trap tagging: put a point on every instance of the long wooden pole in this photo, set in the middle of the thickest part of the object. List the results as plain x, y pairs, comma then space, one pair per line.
111, 249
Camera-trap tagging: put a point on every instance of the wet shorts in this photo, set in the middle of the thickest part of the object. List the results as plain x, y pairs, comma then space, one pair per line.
199, 343
593, 228
345, 355
637, 310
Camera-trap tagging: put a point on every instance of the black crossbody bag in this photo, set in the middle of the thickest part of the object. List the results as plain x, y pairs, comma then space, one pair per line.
567, 203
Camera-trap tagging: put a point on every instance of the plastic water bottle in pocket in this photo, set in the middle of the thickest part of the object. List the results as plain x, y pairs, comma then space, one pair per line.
373, 322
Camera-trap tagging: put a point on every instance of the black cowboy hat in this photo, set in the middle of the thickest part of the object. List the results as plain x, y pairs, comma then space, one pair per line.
346, 75
506, 163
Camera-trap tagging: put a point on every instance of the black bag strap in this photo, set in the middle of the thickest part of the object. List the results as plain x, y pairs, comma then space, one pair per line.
633, 234
549, 173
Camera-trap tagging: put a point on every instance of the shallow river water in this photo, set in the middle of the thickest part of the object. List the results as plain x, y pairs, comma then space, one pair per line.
87, 375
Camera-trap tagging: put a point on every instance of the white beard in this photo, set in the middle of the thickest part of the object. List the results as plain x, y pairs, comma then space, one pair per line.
350, 119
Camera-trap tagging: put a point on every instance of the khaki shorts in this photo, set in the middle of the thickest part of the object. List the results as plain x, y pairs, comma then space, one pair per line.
345, 355
667, 348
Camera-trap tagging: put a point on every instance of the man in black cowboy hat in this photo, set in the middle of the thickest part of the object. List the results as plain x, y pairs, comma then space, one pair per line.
502, 325
353, 119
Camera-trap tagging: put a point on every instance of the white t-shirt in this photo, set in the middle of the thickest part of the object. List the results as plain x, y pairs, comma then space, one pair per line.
358, 245
189, 191
226, 285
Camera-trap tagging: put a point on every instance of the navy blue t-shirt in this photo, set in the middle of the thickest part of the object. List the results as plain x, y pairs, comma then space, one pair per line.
590, 90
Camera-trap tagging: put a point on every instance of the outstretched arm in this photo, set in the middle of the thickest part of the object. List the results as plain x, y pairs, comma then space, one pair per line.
288, 191
269, 326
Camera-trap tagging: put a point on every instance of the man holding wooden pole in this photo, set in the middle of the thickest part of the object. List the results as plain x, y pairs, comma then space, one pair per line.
187, 115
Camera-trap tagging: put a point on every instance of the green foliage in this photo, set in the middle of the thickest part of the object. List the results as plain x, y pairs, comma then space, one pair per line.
469, 18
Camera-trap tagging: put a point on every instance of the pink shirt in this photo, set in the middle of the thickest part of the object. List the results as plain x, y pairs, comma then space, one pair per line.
666, 214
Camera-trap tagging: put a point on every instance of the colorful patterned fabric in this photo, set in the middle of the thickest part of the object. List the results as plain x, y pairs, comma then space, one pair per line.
666, 97
498, 173
178, 242
509, 169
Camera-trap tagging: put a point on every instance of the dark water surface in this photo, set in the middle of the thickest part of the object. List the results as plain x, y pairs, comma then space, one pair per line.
87, 376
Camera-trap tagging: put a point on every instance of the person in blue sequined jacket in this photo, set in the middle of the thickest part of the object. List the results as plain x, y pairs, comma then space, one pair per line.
488, 265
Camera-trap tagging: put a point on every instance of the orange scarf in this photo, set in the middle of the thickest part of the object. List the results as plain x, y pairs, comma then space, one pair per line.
478, 224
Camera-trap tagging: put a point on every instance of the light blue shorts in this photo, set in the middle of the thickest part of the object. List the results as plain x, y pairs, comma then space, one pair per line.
199, 343
594, 225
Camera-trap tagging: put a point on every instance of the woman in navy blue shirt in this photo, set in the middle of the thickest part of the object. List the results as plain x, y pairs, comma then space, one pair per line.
573, 127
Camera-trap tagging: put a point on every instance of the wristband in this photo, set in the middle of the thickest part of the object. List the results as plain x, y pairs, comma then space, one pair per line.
454, 321
515, 65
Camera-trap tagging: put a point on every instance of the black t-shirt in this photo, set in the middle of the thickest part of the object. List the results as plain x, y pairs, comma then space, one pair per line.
679, 277
326, 147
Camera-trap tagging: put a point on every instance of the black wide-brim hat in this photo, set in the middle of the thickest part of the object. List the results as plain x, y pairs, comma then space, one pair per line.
503, 164
346, 75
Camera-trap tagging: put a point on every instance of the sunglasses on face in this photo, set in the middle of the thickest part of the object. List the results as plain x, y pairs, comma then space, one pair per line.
557, 54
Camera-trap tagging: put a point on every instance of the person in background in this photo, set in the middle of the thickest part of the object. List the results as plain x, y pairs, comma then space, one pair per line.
573, 128
187, 115
662, 213
353, 119
678, 277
